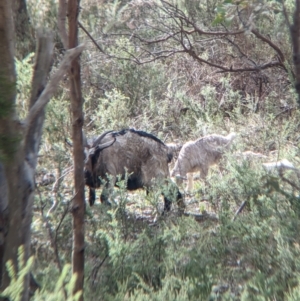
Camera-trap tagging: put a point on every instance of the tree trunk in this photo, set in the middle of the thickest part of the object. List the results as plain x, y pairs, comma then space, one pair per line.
19, 142
23, 29
9, 142
20, 171
78, 207
295, 34
44, 53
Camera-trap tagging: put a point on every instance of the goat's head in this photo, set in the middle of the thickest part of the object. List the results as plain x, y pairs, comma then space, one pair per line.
91, 158
90, 168
231, 136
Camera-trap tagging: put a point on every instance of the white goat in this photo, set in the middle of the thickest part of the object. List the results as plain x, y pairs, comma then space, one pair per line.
199, 155
281, 166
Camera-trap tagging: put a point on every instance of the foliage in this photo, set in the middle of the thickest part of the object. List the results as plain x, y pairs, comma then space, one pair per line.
14, 290
179, 258
63, 288
24, 70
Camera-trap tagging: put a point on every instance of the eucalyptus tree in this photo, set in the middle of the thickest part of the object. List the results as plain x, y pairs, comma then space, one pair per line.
20, 139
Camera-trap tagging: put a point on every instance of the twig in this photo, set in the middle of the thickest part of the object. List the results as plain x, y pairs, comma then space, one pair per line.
92, 39
55, 188
271, 44
291, 183
284, 111
240, 51
239, 210
97, 268
63, 216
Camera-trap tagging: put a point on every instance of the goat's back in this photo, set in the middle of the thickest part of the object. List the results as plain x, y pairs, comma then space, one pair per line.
135, 152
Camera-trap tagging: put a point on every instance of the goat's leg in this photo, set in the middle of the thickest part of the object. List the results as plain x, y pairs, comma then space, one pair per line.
105, 196
190, 181
92, 196
222, 167
203, 173
167, 206
180, 202
179, 178
172, 194
107, 190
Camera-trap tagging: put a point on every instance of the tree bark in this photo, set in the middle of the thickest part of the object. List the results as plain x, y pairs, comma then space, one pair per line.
9, 142
295, 34
61, 22
78, 207
19, 142
44, 53
21, 170
23, 30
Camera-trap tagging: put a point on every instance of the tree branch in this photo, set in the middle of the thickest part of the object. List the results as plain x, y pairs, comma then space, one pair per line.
92, 39
239, 210
48, 92
226, 69
270, 43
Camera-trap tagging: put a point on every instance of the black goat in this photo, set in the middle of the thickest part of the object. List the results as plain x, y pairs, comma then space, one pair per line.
141, 155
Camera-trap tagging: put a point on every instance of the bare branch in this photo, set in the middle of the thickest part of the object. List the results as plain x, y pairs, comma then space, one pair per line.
159, 40
294, 185
239, 210
51, 87
226, 69
211, 33
175, 12
270, 43
89, 35
42, 67
240, 51
183, 30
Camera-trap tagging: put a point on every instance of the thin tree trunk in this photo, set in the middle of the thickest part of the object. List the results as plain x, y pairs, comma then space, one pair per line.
61, 22
23, 29
9, 142
33, 137
21, 170
295, 34
19, 142
78, 207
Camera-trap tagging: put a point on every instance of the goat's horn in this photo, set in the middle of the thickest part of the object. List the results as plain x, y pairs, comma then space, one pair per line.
104, 145
100, 138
